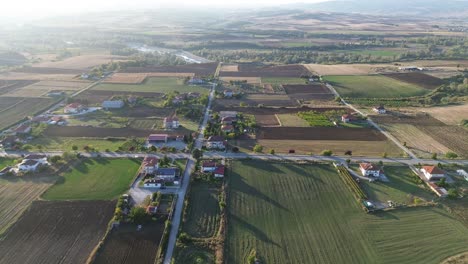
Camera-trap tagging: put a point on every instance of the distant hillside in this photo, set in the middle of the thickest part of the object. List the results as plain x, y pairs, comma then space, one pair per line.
389, 7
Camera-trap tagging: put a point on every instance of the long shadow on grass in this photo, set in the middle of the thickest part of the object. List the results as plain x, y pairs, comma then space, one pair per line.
266, 166
259, 234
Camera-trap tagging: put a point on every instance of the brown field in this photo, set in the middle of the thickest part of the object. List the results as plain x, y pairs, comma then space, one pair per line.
417, 78
36, 76
82, 62
309, 92
138, 78
450, 115
279, 100
339, 147
452, 137
43, 87
126, 245
57, 232
251, 80
230, 68
252, 70
266, 120
7, 86
17, 194
291, 120
47, 70
97, 96
349, 69
202, 69
320, 133
103, 132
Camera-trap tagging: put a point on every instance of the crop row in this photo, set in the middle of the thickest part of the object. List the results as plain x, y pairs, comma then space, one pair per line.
349, 180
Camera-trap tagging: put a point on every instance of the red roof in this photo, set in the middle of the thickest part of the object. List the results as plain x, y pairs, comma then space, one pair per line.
219, 170
433, 170
209, 164
150, 161
22, 128
369, 166
74, 105
227, 127
215, 138
157, 137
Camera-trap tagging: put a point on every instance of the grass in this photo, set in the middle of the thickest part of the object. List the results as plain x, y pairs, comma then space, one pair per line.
401, 189
154, 85
291, 120
375, 86
283, 80
5, 162
94, 179
375, 53
27, 107
66, 143
315, 119
323, 223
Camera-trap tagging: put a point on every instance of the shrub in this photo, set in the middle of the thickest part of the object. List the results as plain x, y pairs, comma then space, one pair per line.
258, 148
451, 155
452, 193
434, 156
327, 152
272, 151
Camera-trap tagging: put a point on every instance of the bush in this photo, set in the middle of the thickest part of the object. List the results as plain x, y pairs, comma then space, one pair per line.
434, 156
327, 152
451, 155
258, 148
272, 151
452, 193
235, 149
55, 159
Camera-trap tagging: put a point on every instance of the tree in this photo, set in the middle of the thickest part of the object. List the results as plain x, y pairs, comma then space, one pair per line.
137, 215
434, 156
197, 154
153, 148
442, 183
55, 159
258, 148
272, 151
74, 147
384, 155
451, 155
327, 152
67, 156
452, 193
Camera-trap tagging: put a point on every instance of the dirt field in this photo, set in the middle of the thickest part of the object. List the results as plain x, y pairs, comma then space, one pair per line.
272, 111
47, 70
17, 194
57, 232
251, 70
21, 109
308, 92
203, 69
82, 62
420, 79
127, 245
230, 68
100, 132
279, 100
7, 86
292, 120
320, 133
36, 76
266, 120
251, 80
450, 115
138, 78
41, 88
97, 96
348, 69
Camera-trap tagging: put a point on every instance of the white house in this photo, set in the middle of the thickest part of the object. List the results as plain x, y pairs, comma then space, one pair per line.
228, 93
208, 166
150, 165
171, 122
432, 173
379, 109
152, 183
115, 104
369, 169
216, 142
42, 159
73, 108
166, 174
29, 165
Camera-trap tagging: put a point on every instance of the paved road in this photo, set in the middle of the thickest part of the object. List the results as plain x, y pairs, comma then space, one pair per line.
177, 217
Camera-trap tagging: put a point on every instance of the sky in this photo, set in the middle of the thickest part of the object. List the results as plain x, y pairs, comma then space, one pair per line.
43, 8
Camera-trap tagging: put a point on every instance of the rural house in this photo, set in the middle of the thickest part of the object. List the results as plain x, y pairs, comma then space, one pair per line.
29, 165
157, 138
22, 129
228, 120
9, 141
149, 165
167, 174
113, 104
227, 128
216, 142
37, 157
171, 122
208, 166
369, 169
73, 108
439, 191
228, 93
380, 109
432, 173
57, 120
219, 171
153, 183
346, 118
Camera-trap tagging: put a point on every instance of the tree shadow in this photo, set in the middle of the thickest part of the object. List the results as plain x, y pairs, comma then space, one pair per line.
259, 234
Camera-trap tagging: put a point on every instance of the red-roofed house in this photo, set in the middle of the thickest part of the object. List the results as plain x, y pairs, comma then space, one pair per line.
216, 142
369, 169
347, 118
432, 173
23, 129
171, 122
208, 166
150, 165
73, 108
157, 138
227, 128
219, 171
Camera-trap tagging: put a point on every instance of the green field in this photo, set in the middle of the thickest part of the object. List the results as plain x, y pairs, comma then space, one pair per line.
4, 162
283, 80
375, 86
22, 109
292, 120
94, 179
66, 143
305, 214
315, 119
155, 85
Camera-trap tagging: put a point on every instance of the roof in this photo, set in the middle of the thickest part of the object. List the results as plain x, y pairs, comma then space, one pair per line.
157, 137
347, 116
40, 119
154, 181
57, 118
35, 156
166, 171
227, 127
209, 164
170, 119
74, 105
228, 118
433, 170
380, 107
150, 161
369, 166
219, 170
22, 128
215, 138
29, 162
227, 113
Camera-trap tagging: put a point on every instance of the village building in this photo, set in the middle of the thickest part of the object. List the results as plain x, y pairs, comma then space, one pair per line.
157, 138
228, 93
150, 165
369, 169
40, 119
432, 173
9, 141
153, 183
195, 80
113, 104
379, 109
346, 118
228, 120
171, 122
22, 129
219, 171
223, 114
208, 166
73, 108
178, 99
37, 157
216, 142
57, 120
166, 174
29, 165
227, 128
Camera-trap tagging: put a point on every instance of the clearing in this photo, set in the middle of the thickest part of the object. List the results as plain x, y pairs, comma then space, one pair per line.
94, 179
265, 217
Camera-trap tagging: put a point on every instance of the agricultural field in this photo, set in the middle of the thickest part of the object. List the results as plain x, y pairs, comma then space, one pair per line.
348, 69
249, 80
320, 133
153, 85
17, 194
57, 232
101, 132
419, 79
82, 62
95, 97
292, 120
315, 119
22, 109
127, 245
253, 100
264, 217
252, 70
42, 88
137, 78
7, 86
375, 86
202, 69
94, 179
67, 143
450, 115
267, 120
283, 80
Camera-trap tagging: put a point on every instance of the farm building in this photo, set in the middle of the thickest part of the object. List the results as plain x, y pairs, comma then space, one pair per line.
73, 108
369, 169
114, 104
439, 191
208, 166
219, 171
216, 142
149, 165
224, 114
432, 173
171, 122
166, 174
228, 120
227, 128
152, 183
379, 109
23, 129
157, 138
40, 119
346, 118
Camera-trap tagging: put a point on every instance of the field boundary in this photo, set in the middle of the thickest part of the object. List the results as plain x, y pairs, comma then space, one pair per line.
161, 251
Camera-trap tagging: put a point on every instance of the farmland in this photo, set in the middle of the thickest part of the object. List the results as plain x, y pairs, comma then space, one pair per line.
251, 70
97, 96
417, 78
67, 143
376, 86
283, 80
103, 132
315, 119
450, 115
153, 85
320, 133
127, 245
251, 80
260, 219
202, 69
21, 109
17, 194
292, 120
82, 62
57, 232
43, 87
347, 69
137, 78
94, 179
266, 120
